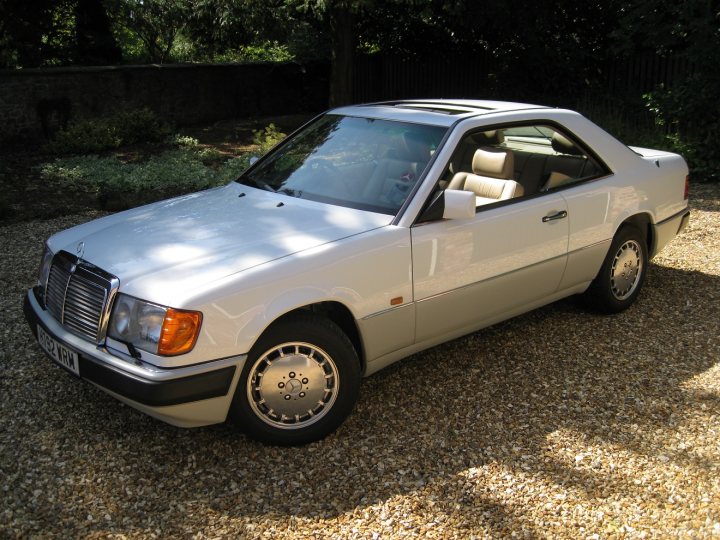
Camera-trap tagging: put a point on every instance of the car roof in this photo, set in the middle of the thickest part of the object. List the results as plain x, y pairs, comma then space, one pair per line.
438, 112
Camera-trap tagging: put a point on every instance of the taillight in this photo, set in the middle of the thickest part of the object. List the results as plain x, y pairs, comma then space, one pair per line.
687, 187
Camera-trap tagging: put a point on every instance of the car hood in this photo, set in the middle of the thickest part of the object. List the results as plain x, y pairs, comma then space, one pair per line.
176, 245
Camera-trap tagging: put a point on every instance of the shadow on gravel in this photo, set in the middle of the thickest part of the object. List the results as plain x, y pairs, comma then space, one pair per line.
525, 397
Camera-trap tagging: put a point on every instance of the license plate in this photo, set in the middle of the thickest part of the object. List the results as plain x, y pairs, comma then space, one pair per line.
58, 352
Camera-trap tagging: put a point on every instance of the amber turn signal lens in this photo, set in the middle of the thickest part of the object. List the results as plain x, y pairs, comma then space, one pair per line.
179, 332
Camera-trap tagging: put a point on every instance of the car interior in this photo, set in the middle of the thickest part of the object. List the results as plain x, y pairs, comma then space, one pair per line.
508, 163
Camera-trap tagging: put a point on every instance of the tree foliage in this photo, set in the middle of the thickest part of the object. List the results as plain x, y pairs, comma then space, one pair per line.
538, 49
688, 110
156, 23
36, 33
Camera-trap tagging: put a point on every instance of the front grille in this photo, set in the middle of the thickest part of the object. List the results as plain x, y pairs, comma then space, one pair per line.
77, 295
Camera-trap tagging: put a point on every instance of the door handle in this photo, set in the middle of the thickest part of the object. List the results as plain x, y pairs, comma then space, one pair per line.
557, 215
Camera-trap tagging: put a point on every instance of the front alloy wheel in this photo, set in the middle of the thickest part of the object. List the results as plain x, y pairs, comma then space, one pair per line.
293, 385
300, 381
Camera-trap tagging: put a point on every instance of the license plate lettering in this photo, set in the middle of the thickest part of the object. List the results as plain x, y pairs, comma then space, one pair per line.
58, 352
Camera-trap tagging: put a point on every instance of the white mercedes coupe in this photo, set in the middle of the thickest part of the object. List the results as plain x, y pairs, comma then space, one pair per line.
371, 233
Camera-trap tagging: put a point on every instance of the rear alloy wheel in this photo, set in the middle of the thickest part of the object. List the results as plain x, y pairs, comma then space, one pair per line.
622, 274
299, 383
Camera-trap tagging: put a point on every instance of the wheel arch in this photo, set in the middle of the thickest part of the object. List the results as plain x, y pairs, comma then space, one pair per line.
644, 223
339, 314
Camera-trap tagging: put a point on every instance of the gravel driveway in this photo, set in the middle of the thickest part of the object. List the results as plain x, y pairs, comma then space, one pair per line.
555, 424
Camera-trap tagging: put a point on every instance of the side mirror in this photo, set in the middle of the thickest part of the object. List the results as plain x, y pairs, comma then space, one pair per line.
450, 204
459, 204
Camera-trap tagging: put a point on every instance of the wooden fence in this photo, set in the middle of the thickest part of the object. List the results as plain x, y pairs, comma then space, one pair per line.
642, 74
380, 77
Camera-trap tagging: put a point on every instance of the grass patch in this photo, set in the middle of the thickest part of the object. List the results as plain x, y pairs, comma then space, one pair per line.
117, 185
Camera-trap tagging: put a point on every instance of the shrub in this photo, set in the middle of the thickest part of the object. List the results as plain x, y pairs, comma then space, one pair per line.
625, 119
210, 155
232, 168
118, 185
183, 140
267, 138
689, 115
98, 134
140, 125
85, 136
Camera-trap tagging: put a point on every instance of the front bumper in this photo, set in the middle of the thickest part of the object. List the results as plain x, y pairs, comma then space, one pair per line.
188, 396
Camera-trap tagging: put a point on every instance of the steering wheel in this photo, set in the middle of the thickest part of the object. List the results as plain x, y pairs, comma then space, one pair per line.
326, 179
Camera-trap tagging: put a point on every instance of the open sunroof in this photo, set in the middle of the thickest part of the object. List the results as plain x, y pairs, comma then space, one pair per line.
435, 106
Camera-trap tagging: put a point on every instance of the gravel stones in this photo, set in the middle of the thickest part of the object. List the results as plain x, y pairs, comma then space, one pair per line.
558, 423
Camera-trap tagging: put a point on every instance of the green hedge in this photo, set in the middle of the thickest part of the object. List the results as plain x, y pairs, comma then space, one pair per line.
99, 134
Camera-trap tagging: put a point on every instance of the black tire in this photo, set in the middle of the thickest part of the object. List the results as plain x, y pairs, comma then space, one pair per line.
622, 274
305, 367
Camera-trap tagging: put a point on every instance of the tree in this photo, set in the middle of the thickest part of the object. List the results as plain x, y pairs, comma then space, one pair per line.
155, 22
337, 16
36, 33
49, 33
218, 26
94, 39
343, 39
344, 21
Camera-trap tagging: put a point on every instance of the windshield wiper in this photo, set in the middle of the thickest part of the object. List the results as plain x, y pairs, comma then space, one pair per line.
292, 192
252, 182
260, 184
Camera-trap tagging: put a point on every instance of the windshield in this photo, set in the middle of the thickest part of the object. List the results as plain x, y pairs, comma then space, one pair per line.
361, 163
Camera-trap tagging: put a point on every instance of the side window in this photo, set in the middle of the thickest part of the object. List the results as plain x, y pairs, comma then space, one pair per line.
483, 165
546, 158
517, 161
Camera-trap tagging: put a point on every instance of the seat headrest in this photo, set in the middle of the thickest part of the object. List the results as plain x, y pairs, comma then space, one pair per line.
494, 163
488, 138
563, 145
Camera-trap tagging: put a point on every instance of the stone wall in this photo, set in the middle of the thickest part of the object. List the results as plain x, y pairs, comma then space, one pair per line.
34, 103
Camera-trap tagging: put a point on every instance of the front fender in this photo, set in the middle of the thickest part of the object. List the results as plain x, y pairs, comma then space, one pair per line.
364, 273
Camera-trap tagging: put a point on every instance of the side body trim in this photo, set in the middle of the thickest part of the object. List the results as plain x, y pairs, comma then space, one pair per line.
384, 361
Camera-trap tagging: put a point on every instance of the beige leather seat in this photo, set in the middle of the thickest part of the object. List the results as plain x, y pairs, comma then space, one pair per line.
568, 164
463, 155
492, 177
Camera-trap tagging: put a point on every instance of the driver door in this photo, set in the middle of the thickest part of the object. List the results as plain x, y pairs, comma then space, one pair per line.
468, 274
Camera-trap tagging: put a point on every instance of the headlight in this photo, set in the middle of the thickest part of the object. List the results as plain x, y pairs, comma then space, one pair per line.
154, 328
44, 269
